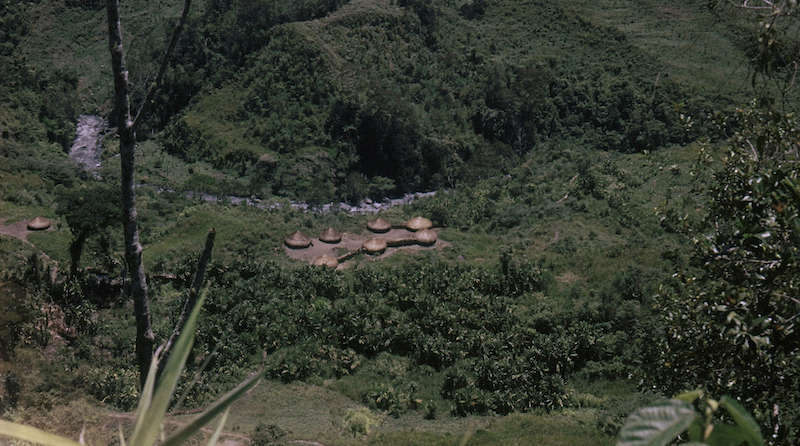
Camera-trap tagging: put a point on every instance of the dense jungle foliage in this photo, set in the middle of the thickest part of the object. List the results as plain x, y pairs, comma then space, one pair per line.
412, 93
619, 220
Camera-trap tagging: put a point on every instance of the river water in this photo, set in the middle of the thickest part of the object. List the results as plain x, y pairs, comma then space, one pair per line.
87, 148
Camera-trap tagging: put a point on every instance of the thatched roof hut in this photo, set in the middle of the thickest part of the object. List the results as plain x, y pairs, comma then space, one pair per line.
418, 224
426, 237
326, 260
374, 246
330, 235
297, 240
38, 223
379, 224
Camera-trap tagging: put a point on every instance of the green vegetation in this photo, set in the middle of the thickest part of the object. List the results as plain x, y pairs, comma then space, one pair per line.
737, 294
87, 210
618, 222
664, 422
154, 401
421, 95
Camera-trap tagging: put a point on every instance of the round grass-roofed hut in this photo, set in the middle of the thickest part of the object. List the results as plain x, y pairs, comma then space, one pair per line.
426, 237
297, 240
326, 260
330, 235
38, 223
379, 224
418, 224
374, 246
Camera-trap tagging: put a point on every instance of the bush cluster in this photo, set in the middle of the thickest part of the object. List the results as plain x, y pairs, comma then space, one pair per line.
463, 321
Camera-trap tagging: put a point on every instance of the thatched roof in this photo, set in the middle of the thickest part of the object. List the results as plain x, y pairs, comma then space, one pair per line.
297, 240
379, 224
38, 223
331, 235
418, 223
326, 260
374, 246
426, 237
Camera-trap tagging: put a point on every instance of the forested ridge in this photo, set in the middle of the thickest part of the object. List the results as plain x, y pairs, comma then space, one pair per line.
615, 191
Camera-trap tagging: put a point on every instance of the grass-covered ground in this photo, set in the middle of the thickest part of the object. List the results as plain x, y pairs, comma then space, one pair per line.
593, 231
567, 141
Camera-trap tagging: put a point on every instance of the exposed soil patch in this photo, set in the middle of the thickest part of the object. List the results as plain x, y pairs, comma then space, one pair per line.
352, 242
18, 230
569, 278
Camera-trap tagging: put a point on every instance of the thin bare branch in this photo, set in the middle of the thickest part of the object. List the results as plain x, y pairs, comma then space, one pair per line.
151, 91
746, 5
194, 292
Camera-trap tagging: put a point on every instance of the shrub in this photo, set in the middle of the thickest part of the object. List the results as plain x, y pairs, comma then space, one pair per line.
395, 397
268, 435
15, 313
360, 421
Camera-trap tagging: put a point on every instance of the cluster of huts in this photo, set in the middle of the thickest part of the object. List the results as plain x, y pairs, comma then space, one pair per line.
418, 229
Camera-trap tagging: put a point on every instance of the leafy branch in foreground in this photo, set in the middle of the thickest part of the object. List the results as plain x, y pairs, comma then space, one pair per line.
154, 401
731, 322
663, 423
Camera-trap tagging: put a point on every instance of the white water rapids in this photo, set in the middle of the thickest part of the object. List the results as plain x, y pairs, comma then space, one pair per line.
87, 147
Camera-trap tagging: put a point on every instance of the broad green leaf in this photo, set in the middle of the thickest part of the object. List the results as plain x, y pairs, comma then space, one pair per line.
146, 395
146, 432
695, 431
183, 434
196, 378
657, 425
747, 425
725, 435
33, 435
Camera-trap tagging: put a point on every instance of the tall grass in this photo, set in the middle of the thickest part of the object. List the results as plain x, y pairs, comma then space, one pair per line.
154, 401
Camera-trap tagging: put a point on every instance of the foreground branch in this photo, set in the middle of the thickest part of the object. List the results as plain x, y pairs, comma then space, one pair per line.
127, 145
194, 292
151, 91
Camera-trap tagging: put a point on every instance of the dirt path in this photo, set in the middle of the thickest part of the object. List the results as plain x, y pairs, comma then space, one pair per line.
225, 438
18, 230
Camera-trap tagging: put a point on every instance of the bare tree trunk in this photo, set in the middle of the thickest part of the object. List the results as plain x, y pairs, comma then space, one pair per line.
75, 250
127, 145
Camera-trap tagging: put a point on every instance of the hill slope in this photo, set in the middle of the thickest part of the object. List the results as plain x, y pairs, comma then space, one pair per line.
432, 95
344, 100
554, 129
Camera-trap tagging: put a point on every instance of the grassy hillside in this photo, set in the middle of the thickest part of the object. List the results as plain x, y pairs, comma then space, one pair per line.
570, 144
457, 92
